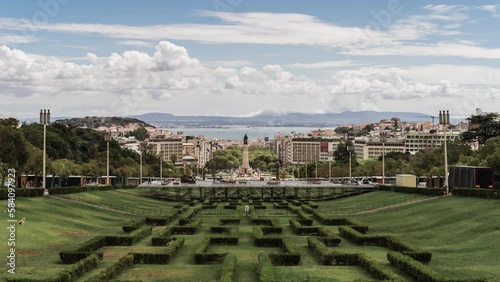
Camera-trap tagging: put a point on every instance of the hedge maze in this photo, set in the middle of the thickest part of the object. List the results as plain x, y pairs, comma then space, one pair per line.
239, 245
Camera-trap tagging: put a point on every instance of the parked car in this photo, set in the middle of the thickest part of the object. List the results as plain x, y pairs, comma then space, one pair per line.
422, 185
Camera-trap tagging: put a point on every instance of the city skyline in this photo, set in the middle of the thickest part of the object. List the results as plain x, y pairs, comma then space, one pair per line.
240, 58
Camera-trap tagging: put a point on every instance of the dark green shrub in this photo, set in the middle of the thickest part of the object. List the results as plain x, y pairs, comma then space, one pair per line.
83, 250
228, 268
265, 270
160, 220
413, 268
160, 258
266, 241
114, 270
389, 242
129, 239
230, 220
22, 192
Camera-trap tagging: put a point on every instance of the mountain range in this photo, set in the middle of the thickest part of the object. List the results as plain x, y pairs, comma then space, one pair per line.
267, 119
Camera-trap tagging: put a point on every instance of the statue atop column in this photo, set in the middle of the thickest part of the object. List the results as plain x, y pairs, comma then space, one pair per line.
245, 169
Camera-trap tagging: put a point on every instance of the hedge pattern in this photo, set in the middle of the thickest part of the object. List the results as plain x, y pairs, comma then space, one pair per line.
71, 273
228, 268
160, 258
389, 242
90, 246
265, 270
114, 270
329, 257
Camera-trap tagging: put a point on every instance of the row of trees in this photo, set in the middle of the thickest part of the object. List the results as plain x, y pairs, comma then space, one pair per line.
72, 151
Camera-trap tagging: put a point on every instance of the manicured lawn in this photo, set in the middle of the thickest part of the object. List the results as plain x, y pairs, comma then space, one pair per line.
367, 201
123, 200
51, 226
462, 234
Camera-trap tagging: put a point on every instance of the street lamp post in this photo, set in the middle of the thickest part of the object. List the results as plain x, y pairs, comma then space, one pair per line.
141, 148
45, 119
383, 139
306, 172
161, 168
350, 147
107, 139
444, 120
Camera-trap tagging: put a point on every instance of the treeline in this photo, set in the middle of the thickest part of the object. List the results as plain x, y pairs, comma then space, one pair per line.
95, 122
426, 163
70, 151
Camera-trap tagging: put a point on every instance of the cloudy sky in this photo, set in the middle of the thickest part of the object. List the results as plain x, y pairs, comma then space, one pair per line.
242, 57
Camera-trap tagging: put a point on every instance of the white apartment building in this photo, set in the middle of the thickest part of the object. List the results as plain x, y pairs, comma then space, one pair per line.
373, 149
417, 141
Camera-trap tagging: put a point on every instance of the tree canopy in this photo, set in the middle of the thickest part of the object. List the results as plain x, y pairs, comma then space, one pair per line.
482, 128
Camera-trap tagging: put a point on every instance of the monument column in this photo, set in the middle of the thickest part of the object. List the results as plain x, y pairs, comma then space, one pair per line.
245, 166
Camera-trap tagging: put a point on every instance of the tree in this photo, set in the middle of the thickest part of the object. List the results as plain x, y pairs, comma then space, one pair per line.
13, 152
217, 164
341, 154
489, 154
140, 133
428, 162
63, 168
173, 158
343, 130
9, 122
482, 128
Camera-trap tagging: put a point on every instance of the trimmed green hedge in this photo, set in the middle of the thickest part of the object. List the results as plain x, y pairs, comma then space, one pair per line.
266, 241
114, 270
413, 268
302, 227
476, 192
228, 268
191, 212
160, 220
89, 247
303, 215
290, 257
328, 257
129, 239
202, 257
134, 224
160, 258
390, 242
230, 220
412, 190
265, 270
307, 209
37, 192
71, 273
162, 238
188, 229
22, 192
83, 250
334, 221
206, 206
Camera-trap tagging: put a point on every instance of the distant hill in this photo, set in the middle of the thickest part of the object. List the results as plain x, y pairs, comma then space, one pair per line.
275, 119
95, 122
